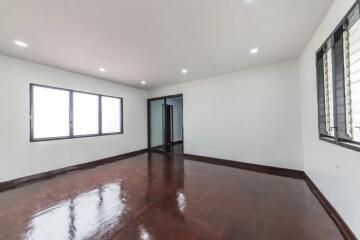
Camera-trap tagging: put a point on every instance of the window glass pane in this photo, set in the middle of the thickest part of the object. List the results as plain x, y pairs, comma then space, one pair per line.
111, 114
157, 122
50, 113
329, 93
352, 79
86, 114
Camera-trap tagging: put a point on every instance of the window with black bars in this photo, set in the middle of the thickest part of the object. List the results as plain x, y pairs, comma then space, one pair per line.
338, 83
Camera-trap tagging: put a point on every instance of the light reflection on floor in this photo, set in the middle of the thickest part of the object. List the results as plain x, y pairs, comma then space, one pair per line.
80, 218
181, 201
159, 196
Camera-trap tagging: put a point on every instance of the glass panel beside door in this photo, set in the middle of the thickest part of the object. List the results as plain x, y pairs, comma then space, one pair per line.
157, 123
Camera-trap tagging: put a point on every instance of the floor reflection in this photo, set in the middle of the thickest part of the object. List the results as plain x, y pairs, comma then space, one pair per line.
92, 213
100, 212
168, 175
155, 196
177, 148
143, 233
164, 193
181, 201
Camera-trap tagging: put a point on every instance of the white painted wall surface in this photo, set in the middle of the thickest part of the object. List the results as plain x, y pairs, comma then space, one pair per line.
251, 116
19, 157
335, 170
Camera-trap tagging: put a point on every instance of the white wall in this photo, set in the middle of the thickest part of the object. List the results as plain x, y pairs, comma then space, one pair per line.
250, 116
335, 170
19, 157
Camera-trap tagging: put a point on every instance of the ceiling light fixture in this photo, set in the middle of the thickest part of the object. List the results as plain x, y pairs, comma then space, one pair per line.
143, 82
20, 43
102, 69
254, 51
184, 71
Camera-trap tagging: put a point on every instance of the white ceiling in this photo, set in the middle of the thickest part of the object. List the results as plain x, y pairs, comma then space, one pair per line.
153, 40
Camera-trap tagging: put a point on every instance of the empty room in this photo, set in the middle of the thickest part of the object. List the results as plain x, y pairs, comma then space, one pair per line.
180, 119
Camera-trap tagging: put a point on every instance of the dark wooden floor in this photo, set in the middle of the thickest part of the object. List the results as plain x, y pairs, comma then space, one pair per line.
154, 196
177, 149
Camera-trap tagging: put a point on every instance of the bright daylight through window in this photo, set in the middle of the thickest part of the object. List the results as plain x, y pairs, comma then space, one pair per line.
338, 82
61, 113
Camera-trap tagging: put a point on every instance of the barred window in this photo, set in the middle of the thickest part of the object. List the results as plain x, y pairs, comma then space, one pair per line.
326, 91
352, 79
338, 83
329, 93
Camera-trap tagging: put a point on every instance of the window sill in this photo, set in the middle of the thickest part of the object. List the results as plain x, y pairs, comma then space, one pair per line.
351, 146
74, 137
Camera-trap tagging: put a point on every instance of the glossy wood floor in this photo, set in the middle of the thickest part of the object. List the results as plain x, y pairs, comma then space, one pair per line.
153, 196
177, 149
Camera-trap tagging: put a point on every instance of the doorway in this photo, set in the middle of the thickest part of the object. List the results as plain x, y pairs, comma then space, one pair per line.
165, 124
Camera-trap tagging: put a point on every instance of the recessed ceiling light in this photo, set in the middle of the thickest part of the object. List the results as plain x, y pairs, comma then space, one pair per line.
143, 82
102, 69
20, 43
184, 71
254, 51
249, 1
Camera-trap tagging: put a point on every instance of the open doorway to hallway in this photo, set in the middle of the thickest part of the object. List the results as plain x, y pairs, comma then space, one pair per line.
165, 124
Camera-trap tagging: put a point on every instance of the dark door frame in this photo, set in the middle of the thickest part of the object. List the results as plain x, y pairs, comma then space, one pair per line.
169, 127
149, 115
